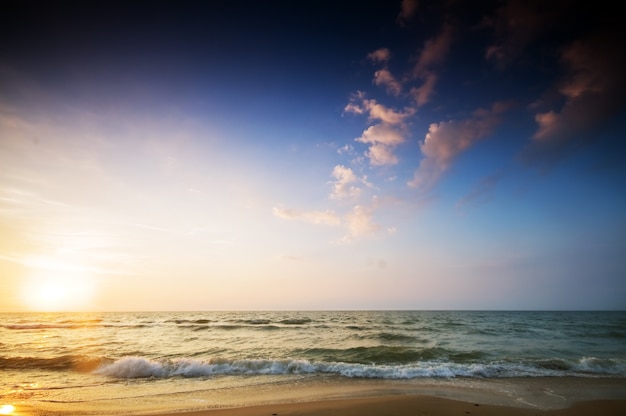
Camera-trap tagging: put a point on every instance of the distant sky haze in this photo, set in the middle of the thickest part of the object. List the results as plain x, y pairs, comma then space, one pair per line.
264, 155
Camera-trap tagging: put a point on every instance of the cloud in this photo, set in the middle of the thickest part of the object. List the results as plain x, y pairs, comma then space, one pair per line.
327, 217
384, 78
408, 8
360, 223
424, 93
594, 89
516, 25
434, 52
382, 139
343, 187
380, 55
384, 136
445, 140
432, 56
359, 104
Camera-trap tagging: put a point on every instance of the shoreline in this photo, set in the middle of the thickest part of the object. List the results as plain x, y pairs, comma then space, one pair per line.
333, 396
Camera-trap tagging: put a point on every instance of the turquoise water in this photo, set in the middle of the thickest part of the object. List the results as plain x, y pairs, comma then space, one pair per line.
91, 358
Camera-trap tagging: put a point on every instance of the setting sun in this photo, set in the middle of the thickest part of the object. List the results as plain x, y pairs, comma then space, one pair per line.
54, 290
6, 409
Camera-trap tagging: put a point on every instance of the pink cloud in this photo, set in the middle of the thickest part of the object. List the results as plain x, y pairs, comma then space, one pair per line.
379, 55
384, 78
361, 105
594, 90
433, 55
516, 24
446, 140
408, 8
382, 139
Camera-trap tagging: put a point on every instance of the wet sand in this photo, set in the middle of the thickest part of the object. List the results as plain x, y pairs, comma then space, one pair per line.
411, 406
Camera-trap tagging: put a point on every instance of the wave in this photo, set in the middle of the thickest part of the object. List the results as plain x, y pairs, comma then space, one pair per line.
39, 326
34, 326
381, 354
78, 363
139, 367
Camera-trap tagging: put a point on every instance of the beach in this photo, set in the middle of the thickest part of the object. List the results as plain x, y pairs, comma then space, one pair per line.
411, 406
523, 396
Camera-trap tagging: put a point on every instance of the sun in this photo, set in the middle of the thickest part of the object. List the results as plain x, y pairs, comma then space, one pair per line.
7, 409
48, 290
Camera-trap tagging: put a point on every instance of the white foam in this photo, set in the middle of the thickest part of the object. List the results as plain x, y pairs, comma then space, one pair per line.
139, 367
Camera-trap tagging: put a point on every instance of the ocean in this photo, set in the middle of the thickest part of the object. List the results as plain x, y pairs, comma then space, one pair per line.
140, 363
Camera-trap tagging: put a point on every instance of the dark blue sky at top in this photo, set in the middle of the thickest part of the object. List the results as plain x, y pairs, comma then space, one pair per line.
245, 63
245, 54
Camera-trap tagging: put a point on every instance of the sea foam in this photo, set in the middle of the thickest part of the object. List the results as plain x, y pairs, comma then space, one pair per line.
140, 367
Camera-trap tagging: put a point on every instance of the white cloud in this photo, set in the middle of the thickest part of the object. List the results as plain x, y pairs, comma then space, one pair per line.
343, 187
360, 223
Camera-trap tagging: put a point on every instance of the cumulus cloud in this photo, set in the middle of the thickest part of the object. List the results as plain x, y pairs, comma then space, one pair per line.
327, 217
594, 90
344, 186
382, 139
359, 104
446, 140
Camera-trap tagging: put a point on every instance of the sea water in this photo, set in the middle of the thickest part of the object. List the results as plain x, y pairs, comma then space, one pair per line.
134, 363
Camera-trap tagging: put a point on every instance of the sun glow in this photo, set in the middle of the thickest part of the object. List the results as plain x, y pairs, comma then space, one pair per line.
7, 409
58, 290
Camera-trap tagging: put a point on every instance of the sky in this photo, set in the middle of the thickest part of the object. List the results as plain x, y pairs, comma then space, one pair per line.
304, 155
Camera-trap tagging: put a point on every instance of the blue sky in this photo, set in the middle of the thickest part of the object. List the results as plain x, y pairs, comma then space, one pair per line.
312, 155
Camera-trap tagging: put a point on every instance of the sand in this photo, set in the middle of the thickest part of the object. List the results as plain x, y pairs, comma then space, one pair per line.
334, 397
411, 406
515, 397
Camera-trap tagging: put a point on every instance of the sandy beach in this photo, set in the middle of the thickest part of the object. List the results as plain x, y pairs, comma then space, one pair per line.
411, 406
522, 396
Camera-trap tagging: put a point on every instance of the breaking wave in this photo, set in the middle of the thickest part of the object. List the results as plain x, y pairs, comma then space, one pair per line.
140, 367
